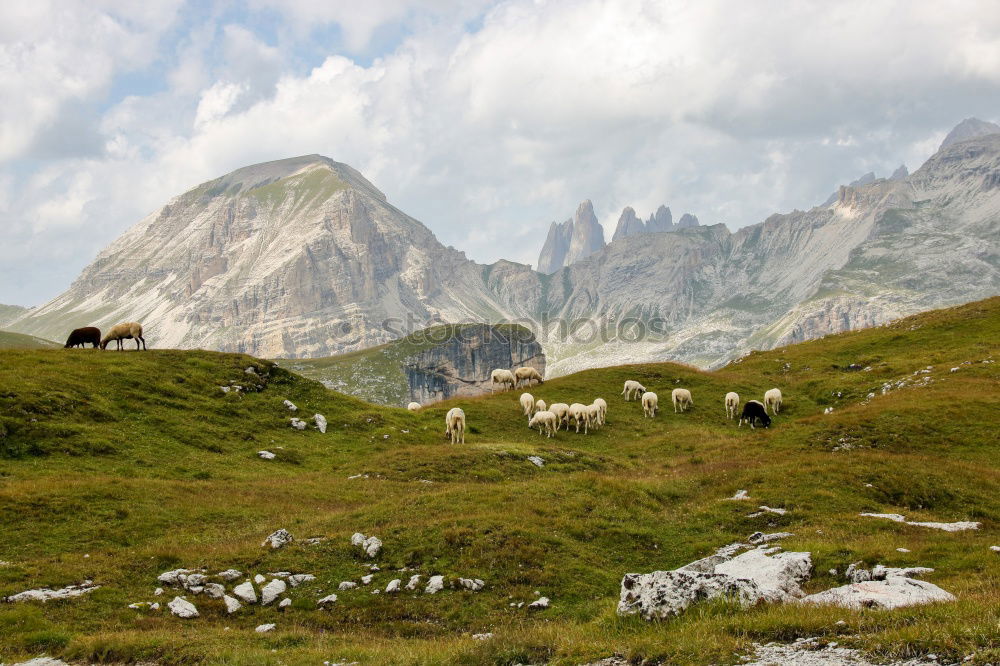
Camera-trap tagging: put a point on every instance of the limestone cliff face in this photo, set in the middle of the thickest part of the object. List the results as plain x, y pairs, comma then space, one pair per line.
462, 365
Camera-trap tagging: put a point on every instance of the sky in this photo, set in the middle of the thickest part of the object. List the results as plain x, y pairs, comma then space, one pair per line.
485, 120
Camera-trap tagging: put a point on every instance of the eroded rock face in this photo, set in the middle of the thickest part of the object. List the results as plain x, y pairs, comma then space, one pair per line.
754, 576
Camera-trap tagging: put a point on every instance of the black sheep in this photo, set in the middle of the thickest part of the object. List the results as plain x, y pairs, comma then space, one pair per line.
754, 410
82, 336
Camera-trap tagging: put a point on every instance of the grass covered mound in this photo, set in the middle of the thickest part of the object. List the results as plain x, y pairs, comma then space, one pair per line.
116, 467
10, 340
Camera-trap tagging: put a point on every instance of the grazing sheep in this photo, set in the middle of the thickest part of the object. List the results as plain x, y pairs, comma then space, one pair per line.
544, 421
454, 425
754, 410
540, 406
578, 412
772, 399
527, 403
503, 378
561, 410
633, 389
594, 416
681, 398
125, 331
732, 404
603, 407
526, 375
82, 336
413, 406
650, 404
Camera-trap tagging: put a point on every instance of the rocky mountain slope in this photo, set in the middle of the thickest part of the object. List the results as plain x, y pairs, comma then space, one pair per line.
10, 312
305, 258
427, 366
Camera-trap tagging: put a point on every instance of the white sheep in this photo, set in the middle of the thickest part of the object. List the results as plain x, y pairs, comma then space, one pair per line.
454, 425
772, 399
594, 416
527, 403
526, 375
545, 421
501, 377
561, 410
129, 330
578, 412
681, 398
732, 404
650, 404
633, 389
540, 406
413, 407
603, 406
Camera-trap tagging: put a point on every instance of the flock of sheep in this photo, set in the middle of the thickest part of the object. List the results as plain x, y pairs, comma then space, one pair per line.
550, 418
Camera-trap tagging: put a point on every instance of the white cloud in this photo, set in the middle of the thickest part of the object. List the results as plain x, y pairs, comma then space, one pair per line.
730, 111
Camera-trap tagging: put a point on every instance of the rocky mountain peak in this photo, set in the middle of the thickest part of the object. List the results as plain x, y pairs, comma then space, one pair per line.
900, 173
687, 221
661, 220
970, 128
588, 234
628, 224
553, 254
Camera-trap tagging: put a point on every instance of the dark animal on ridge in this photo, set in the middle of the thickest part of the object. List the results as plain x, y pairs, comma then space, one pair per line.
754, 410
81, 336
124, 331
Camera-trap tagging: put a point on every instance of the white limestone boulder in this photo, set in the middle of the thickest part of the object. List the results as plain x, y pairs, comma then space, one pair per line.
182, 608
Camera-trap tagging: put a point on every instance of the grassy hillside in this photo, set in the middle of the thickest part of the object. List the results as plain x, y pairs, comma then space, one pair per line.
9, 340
10, 312
118, 466
376, 374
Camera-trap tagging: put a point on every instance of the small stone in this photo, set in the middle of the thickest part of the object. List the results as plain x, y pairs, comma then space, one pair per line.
158, 591
473, 584
264, 628
482, 637
246, 592
434, 585
272, 590
182, 608
278, 539
539, 604
195, 580
266, 455
258, 579
224, 389
740, 495
995, 549
536, 461
297, 579
393, 586
347, 585
215, 590
229, 575
284, 603
154, 606
327, 600
290, 405
298, 424
366, 580
250, 371
357, 539
414, 581
175, 577
902, 550
372, 546
320, 421
232, 605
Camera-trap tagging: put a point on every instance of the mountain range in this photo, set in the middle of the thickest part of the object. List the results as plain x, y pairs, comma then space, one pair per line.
304, 257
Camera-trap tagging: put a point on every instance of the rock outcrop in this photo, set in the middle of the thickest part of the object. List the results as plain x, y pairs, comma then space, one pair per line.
628, 225
572, 240
553, 254
762, 574
970, 128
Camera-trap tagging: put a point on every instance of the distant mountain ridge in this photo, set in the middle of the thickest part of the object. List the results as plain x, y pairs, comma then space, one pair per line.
306, 258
